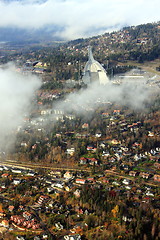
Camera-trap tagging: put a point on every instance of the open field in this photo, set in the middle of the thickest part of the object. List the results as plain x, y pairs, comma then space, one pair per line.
147, 66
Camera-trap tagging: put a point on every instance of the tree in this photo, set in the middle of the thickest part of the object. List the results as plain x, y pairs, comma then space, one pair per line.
115, 211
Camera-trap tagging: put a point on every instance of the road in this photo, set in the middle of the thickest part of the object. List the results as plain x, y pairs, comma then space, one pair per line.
32, 166
66, 168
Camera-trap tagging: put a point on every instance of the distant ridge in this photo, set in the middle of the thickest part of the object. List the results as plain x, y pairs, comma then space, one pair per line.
137, 43
12, 34
49, 33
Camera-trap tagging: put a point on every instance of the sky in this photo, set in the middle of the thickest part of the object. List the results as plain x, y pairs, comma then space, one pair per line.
78, 18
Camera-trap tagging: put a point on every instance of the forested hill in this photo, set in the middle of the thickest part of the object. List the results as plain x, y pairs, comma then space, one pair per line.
140, 43
115, 50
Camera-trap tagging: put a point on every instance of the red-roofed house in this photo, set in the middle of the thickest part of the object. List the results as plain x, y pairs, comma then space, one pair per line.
81, 181
157, 177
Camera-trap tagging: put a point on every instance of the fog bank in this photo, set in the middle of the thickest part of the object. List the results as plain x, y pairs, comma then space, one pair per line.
16, 93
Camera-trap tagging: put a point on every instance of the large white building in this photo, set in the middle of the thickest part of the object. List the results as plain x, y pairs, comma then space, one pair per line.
93, 71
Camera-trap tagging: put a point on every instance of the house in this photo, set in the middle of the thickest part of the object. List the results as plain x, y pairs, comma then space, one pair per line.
69, 187
156, 177
72, 237
5, 223
70, 116
127, 218
150, 134
136, 145
3, 230
77, 193
77, 229
115, 183
136, 157
126, 181
70, 151
90, 148
83, 160
24, 144
46, 112
93, 161
3, 185
31, 173
17, 219
125, 167
124, 148
1, 168
37, 238
157, 165
55, 173
98, 135
81, 181
59, 226
68, 175
133, 173
85, 126
11, 208
112, 160
50, 189
145, 175
2, 213
17, 181
116, 112
104, 180
20, 238
118, 156
27, 215
21, 207
150, 194
102, 145
45, 236
114, 141
81, 135
105, 154
16, 170
43, 199
91, 179
58, 184
5, 175
105, 115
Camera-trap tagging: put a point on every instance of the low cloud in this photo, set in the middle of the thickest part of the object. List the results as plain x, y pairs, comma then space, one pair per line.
78, 18
128, 93
16, 93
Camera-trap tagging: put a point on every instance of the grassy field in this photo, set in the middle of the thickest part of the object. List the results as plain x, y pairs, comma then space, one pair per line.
147, 66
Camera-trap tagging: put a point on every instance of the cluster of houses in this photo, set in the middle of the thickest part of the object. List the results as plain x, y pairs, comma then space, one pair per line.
87, 160
26, 221
35, 67
122, 176
59, 182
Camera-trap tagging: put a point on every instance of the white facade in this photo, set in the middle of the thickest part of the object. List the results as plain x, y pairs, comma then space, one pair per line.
93, 71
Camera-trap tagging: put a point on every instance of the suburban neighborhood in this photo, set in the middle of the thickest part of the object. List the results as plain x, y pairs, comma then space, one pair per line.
84, 162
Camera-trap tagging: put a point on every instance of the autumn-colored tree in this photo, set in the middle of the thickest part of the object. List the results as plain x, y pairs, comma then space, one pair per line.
115, 211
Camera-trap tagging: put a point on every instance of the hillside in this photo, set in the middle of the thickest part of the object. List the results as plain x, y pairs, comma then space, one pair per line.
138, 43
118, 52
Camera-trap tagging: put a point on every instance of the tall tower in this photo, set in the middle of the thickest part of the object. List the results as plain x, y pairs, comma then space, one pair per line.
93, 71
